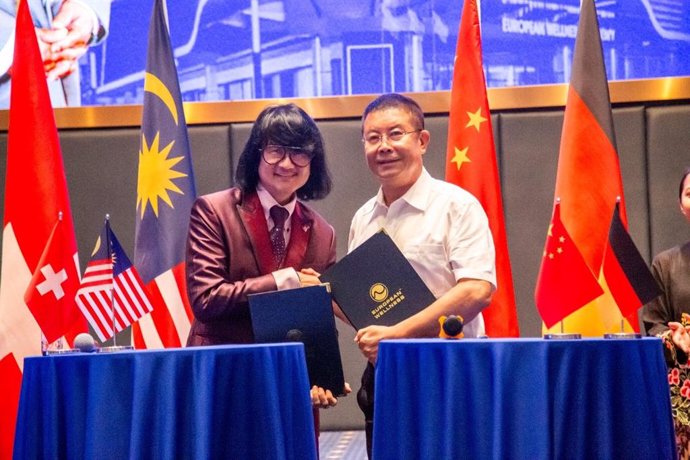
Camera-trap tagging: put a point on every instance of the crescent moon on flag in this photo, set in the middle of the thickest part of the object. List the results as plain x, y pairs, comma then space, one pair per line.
155, 86
98, 245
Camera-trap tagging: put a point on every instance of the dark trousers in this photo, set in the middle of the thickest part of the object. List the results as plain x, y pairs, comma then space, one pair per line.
365, 399
317, 429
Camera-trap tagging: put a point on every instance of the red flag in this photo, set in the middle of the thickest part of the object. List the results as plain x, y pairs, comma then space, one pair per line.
565, 283
471, 162
589, 181
627, 275
50, 295
35, 192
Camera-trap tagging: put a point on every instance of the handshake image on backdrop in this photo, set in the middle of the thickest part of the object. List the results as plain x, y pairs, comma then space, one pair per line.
72, 30
64, 30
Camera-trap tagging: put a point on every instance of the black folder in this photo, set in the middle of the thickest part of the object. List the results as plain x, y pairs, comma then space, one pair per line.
302, 315
376, 284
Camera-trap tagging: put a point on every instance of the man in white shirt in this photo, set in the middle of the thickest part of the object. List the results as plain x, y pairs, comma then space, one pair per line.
440, 228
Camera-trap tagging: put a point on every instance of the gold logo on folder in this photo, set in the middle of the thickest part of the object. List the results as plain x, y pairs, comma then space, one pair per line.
378, 292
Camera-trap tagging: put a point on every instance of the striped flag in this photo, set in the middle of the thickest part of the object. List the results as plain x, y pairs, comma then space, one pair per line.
165, 194
625, 272
111, 295
589, 180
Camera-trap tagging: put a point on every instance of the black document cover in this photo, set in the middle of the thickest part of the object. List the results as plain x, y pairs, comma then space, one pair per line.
302, 315
376, 284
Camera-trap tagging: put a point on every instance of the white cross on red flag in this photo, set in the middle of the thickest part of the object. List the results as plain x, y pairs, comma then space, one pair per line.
50, 295
35, 192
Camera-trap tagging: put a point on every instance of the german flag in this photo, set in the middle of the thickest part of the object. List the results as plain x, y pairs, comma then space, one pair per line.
629, 280
588, 180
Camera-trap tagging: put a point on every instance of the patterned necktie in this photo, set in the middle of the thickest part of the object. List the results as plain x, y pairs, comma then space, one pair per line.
279, 215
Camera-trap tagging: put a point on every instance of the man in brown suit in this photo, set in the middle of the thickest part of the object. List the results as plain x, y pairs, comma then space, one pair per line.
260, 236
229, 256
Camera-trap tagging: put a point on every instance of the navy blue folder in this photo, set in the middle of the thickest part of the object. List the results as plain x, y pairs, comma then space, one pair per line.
302, 315
376, 284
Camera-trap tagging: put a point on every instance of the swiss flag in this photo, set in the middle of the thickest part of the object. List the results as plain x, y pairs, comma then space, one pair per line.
35, 194
50, 296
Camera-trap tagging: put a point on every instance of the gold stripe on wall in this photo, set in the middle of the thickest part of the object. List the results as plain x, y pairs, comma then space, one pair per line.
337, 107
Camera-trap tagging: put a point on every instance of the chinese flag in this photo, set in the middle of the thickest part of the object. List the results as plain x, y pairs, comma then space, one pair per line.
565, 282
35, 193
588, 181
471, 162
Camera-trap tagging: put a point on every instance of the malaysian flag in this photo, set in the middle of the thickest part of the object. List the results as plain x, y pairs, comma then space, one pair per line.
165, 194
111, 295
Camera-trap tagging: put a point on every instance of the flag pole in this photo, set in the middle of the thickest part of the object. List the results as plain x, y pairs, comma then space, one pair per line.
111, 256
59, 345
622, 334
562, 335
112, 288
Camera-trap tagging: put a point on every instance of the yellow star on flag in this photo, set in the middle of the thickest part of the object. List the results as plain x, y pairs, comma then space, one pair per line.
461, 157
156, 175
476, 119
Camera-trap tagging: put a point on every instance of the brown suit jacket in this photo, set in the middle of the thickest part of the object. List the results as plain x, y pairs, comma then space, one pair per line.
229, 256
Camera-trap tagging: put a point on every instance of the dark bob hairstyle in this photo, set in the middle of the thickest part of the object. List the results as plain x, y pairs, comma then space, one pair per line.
286, 125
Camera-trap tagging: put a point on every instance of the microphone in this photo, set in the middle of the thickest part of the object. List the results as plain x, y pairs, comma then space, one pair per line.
451, 327
85, 343
295, 335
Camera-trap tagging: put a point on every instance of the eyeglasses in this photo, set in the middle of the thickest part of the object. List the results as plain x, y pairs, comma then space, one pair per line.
396, 135
274, 154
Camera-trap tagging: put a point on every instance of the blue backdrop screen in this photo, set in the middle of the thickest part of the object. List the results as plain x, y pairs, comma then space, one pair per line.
239, 49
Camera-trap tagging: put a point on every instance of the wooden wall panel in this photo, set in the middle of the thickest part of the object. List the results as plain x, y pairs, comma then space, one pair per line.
668, 147
653, 140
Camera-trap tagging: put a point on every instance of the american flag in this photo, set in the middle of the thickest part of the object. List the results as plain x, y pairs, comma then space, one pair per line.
111, 295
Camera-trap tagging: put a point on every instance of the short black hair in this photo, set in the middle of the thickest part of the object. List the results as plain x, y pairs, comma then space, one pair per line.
287, 125
396, 101
682, 181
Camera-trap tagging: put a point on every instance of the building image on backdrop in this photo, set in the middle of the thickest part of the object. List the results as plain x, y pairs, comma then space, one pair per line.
256, 49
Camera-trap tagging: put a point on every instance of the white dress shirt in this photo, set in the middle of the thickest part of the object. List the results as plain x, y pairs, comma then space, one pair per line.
441, 229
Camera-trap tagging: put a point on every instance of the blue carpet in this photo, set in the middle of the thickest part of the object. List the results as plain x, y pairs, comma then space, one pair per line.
342, 445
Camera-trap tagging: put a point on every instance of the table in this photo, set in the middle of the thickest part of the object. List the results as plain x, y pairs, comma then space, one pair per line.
244, 402
522, 399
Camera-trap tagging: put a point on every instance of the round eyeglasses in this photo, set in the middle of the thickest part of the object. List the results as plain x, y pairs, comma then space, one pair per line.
274, 154
395, 135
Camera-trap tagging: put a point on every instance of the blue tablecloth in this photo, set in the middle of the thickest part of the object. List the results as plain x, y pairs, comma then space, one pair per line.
522, 399
230, 402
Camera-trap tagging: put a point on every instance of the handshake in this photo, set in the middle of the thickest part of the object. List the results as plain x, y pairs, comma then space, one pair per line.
73, 28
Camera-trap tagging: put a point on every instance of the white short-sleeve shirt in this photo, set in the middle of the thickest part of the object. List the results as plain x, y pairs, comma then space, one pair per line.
441, 229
